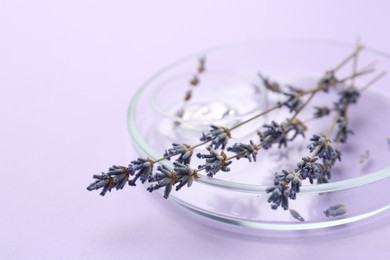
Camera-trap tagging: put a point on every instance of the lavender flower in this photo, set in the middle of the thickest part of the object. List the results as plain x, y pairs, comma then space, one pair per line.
164, 178
184, 175
121, 175
344, 131
349, 96
279, 195
271, 86
116, 177
144, 168
102, 181
273, 134
184, 150
286, 185
248, 151
326, 150
335, 210
296, 127
321, 112
218, 135
278, 133
294, 99
310, 168
215, 162
327, 81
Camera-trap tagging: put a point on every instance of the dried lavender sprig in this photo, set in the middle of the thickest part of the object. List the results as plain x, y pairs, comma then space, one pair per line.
145, 170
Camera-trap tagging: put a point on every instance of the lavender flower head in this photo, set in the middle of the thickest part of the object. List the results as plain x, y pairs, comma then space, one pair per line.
281, 133
327, 81
343, 131
185, 175
294, 101
184, 150
116, 177
218, 135
321, 111
310, 168
215, 162
164, 178
248, 151
286, 185
144, 168
326, 150
271, 86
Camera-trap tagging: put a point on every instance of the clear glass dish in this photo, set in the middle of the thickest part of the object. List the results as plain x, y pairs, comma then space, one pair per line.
238, 197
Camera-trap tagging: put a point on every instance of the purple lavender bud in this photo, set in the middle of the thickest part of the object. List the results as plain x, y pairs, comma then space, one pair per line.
184, 150
309, 168
104, 181
296, 215
164, 178
294, 99
143, 169
185, 175
335, 210
327, 81
344, 131
272, 134
248, 151
215, 162
271, 86
218, 135
321, 112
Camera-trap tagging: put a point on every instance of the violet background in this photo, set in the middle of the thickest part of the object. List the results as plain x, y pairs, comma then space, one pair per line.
67, 72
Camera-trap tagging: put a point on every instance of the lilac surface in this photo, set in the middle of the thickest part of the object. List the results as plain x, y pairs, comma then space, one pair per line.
67, 72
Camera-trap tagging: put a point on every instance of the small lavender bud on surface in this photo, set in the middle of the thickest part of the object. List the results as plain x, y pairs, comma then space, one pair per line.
336, 210
184, 150
143, 169
215, 162
364, 156
218, 135
321, 112
327, 81
248, 151
296, 215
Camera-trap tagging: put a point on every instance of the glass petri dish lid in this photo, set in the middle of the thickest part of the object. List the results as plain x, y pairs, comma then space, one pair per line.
230, 83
